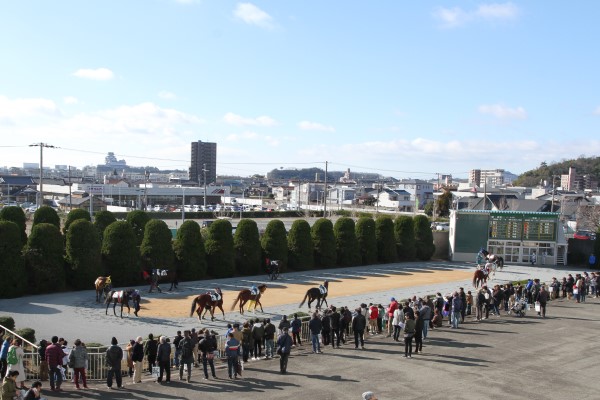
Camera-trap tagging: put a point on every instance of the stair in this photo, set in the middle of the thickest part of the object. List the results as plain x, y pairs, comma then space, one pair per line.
560, 257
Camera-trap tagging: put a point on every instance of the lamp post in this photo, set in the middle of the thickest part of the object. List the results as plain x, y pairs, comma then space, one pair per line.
146, 176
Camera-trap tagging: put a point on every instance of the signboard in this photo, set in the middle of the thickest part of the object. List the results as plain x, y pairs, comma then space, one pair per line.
539, 228
95, 189
505, 226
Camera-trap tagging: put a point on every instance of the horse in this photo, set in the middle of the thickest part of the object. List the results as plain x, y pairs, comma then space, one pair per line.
317, 293
497, 261
103, 286
205, 302
122, 297
154, 276
479, 278
246, 295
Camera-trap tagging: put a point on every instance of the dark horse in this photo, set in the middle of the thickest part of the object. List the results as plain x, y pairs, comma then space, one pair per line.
205, 302
122, 297
479, 278
154, 276
246, 295
103, 286
317, 293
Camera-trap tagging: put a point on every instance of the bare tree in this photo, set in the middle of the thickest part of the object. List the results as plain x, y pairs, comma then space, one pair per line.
588, 217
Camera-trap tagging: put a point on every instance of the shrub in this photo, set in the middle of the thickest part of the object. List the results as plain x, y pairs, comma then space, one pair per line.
120, 255
324, 243
219, 250
46, 215
84, 262
16, 215
300, 246
74, 215
423, 238
27, 333
386, 244
246, 244
367, 241
190, 256
102, 219
137, 220
274, 243
404, 233
12, 267
156, 250
7, 321
345, 242
45, 262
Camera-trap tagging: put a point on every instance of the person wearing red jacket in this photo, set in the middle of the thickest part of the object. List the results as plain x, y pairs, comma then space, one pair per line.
54, 358
373, 315
393, 307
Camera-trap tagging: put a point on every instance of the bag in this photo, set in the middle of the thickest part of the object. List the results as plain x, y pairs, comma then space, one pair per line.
538, 307
279, 351
12, 358
155, 372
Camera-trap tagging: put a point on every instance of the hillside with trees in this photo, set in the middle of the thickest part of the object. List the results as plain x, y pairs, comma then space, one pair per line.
583, 166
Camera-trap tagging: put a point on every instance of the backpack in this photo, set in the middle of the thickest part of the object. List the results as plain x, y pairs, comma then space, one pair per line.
12, 358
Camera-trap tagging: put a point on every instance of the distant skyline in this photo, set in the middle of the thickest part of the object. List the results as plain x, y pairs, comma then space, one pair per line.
404, 89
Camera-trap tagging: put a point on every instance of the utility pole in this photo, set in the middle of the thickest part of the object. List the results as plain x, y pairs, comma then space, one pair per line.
70, 195
325, 193
553, 190
146, 176
204, 170
41, 146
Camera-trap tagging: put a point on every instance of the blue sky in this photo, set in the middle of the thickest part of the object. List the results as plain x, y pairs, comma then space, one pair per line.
407, 89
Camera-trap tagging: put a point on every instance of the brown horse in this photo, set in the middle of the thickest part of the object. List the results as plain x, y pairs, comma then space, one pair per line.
205, 302
245, 295
479, 278
154, 276
103, 287
317, 293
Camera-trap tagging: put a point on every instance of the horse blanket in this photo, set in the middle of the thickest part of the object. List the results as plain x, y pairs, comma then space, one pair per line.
214, 296
254, 291
322, 289
118, 295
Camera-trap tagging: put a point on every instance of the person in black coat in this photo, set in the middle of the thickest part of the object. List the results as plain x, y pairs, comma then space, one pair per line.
114, 355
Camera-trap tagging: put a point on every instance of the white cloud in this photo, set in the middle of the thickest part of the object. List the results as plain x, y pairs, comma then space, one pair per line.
238, 120
70, 100
185, 1
252, 15
315, 126
234, 137
13, 109
502, 112
597, 111
163, 94
98, 74
456, 16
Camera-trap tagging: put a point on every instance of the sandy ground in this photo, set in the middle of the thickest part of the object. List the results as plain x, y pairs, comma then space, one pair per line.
276, 295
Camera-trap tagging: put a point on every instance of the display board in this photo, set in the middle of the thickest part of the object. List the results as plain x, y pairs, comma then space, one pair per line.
516, 226
539, 228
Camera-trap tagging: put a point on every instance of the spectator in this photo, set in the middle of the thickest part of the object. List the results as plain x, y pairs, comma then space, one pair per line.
269, 338
78, 359
163, 356
398, 323
390, 311
381, 318
425, 313
456, 309
54, 356
463, 304
296, 326
409, 332
284, 348
150, 350
176, 341
129, 350
314, 326
9, 385
208, 346
335, 320
346, 320
469, 302
195, 341
258, 334
419, 323
34, 392
284, 324
373, 315
232, 351
359, 322
114, 355
326, 328
186, 345
543, 299
137, 357
437, 319
43, 364
4, 354
246, 341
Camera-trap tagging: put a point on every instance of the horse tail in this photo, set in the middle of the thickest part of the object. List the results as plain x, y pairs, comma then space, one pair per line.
305, 297
236, 301
475, 279
193, 306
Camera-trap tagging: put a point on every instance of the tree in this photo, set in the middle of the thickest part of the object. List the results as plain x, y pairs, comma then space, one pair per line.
300, 246
84, 261
46, 215
219, 250
190, 256
120, 255
74, 215
274, 243
404, 234
386, 243
156, 250
367, 241
102, 219
246, 244
443, 204
428, 209
16, 215
45, 262
12, 267
323, 241
423, 238
138, 220
346, 245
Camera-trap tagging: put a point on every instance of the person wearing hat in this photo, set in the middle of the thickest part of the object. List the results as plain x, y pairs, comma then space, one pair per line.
137, 357
114, 355
369, 396
284, 348
390, 311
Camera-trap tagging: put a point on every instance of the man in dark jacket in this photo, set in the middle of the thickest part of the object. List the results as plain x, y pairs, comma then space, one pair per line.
163, 357
284, 348
258, 334
296, 326
187, 355
150, 350
269, 338
463, 302
207, 347
54, 358
114, 355
137, 356
334, 319
315, 325
359, 323
176, 341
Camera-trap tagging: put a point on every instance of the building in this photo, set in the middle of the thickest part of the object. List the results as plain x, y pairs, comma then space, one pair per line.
421, 191
490, 177
204, 162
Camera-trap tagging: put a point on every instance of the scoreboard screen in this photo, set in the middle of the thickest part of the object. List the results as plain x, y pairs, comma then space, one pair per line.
505, 226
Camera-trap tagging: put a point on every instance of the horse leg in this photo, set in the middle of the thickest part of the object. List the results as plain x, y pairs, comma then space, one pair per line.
260, 304
325, 300
222, 311
107, 305
242, 304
